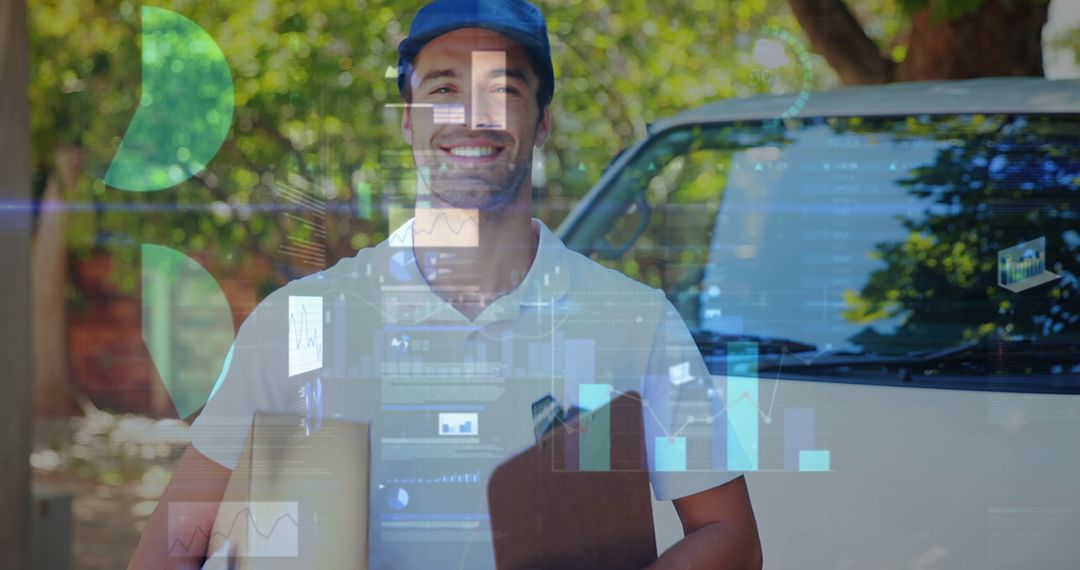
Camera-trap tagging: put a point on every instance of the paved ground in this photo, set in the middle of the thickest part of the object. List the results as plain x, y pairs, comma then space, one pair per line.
115, 468
107, 520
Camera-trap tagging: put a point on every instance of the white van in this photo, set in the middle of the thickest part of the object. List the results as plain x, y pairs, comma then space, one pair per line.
906, 258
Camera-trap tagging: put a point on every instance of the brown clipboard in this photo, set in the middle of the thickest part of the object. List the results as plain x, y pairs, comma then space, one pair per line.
555, 506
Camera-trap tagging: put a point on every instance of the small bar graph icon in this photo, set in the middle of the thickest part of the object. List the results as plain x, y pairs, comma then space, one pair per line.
449, 114
679, 374
459, 424
1023, 266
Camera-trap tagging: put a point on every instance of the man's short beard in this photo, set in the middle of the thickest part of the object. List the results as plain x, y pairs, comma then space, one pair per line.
475, 193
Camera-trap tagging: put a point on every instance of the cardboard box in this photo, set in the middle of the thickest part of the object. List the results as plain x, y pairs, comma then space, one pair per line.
296, 500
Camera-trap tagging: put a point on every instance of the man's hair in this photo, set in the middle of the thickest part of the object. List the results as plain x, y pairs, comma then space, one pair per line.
541, 101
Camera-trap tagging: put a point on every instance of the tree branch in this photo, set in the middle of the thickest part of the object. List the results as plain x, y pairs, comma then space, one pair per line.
837, 35
270, 130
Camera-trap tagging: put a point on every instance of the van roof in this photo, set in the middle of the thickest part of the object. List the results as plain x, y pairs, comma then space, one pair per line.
991, 95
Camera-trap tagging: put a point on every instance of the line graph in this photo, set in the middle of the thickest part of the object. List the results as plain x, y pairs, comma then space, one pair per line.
305, 334
453, 227
267, 529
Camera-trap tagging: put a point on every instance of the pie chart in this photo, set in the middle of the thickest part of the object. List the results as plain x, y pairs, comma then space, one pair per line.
187, 326
398, 498
185, 108
399, 265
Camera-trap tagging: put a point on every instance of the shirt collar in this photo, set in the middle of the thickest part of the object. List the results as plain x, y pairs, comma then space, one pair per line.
547, 281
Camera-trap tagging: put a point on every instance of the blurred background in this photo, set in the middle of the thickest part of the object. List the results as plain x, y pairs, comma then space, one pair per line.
90, 422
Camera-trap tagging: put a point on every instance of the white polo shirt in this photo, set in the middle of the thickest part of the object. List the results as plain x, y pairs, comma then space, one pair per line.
449, 399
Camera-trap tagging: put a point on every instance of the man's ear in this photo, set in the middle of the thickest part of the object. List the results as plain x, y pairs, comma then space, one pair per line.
543, 128
406, 124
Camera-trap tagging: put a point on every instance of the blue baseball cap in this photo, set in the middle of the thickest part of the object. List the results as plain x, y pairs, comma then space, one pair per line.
516, 19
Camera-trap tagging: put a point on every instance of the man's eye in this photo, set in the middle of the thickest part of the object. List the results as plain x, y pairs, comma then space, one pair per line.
506, 89
441, 90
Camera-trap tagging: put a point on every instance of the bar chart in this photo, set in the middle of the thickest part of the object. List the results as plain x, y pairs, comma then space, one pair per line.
470, 477
670, 453
800, 449
1023, 266
742, 406
459, 424
595, 437
738, 409
814, 460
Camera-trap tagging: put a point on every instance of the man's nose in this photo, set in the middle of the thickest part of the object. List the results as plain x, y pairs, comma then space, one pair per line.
488, 110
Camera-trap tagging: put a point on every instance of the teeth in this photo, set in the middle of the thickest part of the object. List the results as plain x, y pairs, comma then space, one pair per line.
472, 151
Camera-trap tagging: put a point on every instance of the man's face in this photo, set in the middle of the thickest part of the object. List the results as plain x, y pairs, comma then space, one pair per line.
474, 118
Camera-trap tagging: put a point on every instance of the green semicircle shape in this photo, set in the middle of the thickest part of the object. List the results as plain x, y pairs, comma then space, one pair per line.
185, 110
187, 326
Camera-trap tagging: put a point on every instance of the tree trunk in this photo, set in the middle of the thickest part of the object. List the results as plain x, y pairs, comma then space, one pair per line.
15, 532
840, 39
994, 41
54, 391
1001, 38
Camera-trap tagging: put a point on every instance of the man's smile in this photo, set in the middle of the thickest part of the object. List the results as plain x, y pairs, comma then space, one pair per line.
472, 152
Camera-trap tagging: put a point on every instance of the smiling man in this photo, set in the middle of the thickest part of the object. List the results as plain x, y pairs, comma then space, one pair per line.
448, 337
475, 174
479, 165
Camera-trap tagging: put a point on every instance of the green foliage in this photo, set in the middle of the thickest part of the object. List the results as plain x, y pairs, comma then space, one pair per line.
311, 96
1006, 181
1067, 41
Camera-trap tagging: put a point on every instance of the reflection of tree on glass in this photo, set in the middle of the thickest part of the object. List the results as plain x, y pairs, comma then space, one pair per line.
866, 247
982, 194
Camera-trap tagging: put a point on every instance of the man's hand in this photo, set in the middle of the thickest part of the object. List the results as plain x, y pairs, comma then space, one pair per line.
196, 478
720, 531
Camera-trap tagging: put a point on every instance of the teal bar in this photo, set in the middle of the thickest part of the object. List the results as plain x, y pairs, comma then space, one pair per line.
595, 436
742, 402
670, 453
814, 460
